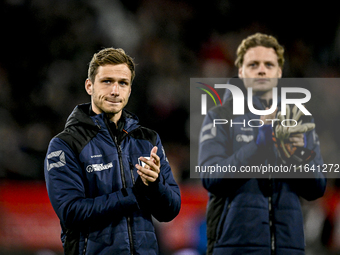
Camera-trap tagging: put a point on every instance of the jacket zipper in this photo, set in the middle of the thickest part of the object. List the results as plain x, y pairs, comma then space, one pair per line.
85, 244
124, 186
270, 207
131, 171
128, 218
271, 224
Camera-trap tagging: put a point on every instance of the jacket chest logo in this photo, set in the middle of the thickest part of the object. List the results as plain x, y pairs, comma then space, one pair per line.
244, 138
98, 167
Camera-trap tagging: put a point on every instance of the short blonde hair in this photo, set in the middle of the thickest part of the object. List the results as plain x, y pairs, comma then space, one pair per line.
259, 39
109, 56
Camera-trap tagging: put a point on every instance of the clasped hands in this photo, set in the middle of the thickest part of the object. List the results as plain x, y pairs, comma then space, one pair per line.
150, 170
289, 133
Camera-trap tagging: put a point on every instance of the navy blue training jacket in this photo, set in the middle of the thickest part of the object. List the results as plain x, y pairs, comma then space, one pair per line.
94, 188
247, 215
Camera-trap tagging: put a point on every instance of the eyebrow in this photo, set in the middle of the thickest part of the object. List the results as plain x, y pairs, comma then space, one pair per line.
110, 78
257, 61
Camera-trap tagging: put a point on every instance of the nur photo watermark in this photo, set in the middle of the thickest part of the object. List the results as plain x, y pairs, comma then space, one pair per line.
238, 131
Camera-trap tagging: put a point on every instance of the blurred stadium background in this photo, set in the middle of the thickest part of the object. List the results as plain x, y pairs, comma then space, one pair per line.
46, 46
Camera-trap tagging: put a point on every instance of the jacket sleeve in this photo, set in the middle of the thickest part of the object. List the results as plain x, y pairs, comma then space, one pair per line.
314, 185
66, 189
215, 148
161, 198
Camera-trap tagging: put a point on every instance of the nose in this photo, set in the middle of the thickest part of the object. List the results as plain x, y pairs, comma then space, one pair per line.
115, 89
262, 70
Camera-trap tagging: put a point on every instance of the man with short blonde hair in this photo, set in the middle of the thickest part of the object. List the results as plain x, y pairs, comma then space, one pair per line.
259, 39
251, 215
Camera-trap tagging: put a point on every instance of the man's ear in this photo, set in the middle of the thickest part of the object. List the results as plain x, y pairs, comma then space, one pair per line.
240, 70
88, 86
280, 73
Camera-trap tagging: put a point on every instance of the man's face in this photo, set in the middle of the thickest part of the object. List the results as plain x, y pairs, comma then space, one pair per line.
260, 69
111, 90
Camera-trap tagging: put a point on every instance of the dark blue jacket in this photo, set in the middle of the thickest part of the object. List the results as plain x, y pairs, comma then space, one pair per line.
94, 188
252, 215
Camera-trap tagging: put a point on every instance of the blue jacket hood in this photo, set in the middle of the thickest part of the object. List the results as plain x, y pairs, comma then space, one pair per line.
81, 115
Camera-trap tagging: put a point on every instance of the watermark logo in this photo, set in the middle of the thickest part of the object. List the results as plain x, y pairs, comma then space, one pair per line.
238, 99
258, 113
204, 97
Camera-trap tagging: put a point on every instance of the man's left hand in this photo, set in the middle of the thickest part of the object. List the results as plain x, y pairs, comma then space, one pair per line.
150, 171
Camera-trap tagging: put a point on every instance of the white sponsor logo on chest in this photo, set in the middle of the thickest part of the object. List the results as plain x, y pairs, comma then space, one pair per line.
244, 138
98, 167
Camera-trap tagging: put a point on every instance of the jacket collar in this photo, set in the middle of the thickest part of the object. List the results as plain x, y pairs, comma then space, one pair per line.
83, 115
